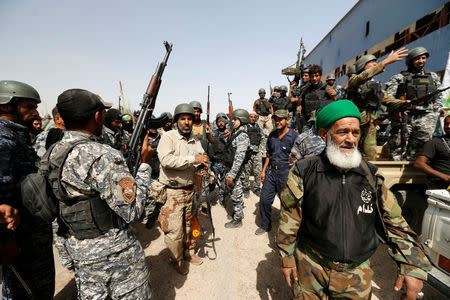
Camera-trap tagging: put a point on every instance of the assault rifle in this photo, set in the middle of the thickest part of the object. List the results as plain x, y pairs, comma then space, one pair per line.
145, 121
208, 107
420, 100
230, 105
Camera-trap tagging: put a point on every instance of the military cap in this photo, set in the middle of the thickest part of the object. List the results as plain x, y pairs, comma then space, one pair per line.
281, 113
77, 104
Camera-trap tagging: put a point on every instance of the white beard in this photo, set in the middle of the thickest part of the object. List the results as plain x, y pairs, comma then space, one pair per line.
344, 160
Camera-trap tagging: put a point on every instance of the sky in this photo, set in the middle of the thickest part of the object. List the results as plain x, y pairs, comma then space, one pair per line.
233, 46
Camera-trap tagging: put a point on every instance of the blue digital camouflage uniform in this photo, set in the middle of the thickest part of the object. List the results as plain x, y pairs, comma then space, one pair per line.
39, 144
317, 279
254, 165
241, 143
307, 143
113, 264
420, 122
35, 263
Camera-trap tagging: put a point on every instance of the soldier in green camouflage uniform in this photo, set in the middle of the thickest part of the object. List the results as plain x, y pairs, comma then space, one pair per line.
326, 239
369, 95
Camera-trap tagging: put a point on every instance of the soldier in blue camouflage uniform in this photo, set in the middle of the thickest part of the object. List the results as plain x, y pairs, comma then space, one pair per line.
254, 165
405, 142
107, 259
18, 106
216, 153
326, 239
235, 159
307, 144
40, 145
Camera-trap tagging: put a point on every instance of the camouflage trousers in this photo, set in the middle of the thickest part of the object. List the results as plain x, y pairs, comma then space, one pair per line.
236, 198
316, 281
253, 168
176, 221
122, 275
420, 129
368, 141
265, 122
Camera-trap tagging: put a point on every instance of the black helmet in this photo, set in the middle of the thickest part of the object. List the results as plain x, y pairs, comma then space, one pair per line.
242, 115
416, 52
362, 61
10, 89
183, 108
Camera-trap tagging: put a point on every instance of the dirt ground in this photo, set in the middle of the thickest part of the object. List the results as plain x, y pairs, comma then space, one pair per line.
247, 266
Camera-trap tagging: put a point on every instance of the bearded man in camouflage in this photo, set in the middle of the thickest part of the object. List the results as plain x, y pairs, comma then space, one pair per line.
326, 239
108, 261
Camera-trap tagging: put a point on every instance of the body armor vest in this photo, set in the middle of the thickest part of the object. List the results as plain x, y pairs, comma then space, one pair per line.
254, 134
281, 103
230, 152
86, 216
314, 98
368, 97
415, 85
218, 148
262, 107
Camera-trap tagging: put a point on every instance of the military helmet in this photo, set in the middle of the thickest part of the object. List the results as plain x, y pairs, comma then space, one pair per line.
305, 69
169, 115
183, 108
261, 91
276, 88
221, 116
362, 61
242, 115
10, 89
283, 88
351, 70
331, 77
416, 52
196, 104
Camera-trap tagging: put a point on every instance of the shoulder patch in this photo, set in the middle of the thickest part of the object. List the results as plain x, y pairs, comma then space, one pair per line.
128, 188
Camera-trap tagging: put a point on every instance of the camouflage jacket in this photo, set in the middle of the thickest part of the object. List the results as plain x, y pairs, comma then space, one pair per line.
404, 248
356, 81
241, 143
97, 168
307, 143
39, 144
393, 84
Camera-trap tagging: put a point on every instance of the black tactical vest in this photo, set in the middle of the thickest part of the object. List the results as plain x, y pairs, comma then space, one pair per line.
254, 134
281, 103
262, 107
369, 96
87, 216
230, 152
415, 85
218, 148
314, 98
339, 223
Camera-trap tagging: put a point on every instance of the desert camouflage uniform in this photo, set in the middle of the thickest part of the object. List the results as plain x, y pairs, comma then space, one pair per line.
112, 264
368, 139
420, 123
200, 133
306, 144
317, 274
241, 143
34, 236
177, 171
264, 119
254, 165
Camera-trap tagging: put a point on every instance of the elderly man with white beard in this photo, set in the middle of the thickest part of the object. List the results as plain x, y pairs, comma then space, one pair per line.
332, 208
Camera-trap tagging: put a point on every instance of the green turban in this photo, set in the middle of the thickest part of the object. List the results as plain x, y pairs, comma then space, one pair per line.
335, 111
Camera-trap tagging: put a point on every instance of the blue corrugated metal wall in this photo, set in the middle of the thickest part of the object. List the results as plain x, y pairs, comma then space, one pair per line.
386, 17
